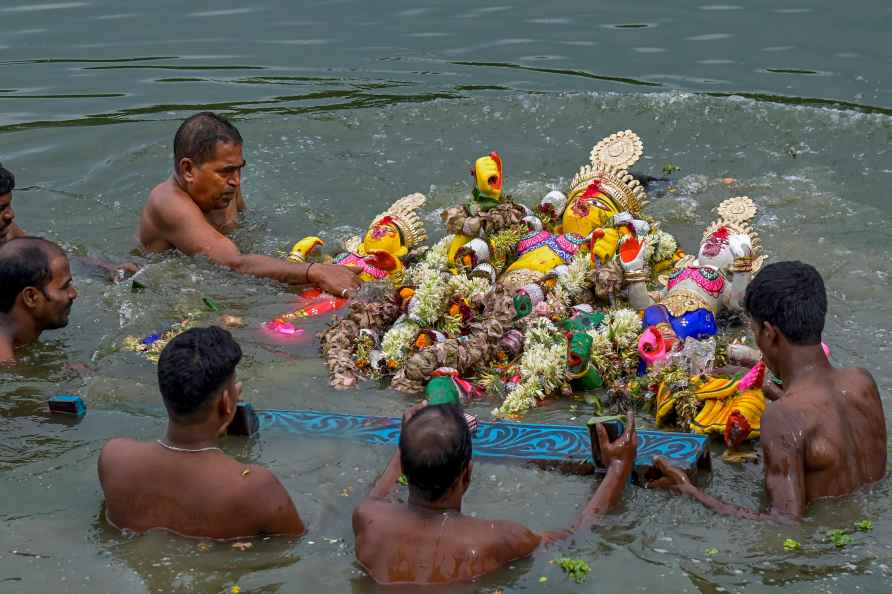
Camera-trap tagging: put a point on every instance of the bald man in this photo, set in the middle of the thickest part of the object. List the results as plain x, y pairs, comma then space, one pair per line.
428, 540
36, 292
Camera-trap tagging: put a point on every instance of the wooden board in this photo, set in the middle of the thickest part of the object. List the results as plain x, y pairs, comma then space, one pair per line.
552, 444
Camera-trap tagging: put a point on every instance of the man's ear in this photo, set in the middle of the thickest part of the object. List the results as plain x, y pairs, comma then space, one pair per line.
187, 169
226, 404
770, 334
32, 297
466, 476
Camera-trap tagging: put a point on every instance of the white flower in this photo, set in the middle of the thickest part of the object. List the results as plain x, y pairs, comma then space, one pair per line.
397, 341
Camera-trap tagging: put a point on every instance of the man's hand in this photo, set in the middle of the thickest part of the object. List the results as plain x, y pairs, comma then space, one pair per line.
621, 451
336, 280
124, 271
671, 479
412, 411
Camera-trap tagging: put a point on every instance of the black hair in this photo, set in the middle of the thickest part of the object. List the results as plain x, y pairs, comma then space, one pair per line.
7, 181
791, 297
192, 370
24, 262
435, 447
197, 138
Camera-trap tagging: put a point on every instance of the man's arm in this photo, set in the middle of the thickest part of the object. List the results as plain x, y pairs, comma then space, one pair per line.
784, 472
619, 456
185, 227
385, 484
387, 481
276, 511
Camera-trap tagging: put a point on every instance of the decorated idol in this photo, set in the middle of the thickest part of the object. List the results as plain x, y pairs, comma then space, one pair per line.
698, 288
381, 252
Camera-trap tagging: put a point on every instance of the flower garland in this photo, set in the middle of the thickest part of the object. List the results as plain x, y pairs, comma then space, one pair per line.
543, 368
577, 279
615, 344
396, 342
659, 246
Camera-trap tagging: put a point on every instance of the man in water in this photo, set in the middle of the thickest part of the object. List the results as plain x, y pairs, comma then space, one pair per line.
184, 482
826, 434
8, 228
429, 540
36, 292
201, 200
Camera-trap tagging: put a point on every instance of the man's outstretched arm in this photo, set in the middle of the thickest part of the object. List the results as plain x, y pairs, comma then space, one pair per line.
784, 473
189, 232
387, 481
619, 457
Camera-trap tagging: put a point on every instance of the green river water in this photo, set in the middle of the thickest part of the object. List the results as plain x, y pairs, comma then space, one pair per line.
346, 105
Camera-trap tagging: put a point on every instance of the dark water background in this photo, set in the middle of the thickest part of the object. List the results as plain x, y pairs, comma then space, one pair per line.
346, 106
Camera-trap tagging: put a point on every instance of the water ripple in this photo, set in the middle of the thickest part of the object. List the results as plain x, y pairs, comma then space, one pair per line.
42, 7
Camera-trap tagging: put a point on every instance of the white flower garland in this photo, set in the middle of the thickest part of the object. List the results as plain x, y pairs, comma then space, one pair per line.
543, 368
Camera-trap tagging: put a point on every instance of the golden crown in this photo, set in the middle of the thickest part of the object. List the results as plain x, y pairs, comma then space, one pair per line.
735, 214
618, 184
404, 215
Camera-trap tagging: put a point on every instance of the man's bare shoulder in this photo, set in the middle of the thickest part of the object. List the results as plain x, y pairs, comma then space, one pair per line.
167, 201
118, 455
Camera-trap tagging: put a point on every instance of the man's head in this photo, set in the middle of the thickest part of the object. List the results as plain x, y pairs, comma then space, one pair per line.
7, 215
435, 451
35, 282
196, 375
787, 303
208, 160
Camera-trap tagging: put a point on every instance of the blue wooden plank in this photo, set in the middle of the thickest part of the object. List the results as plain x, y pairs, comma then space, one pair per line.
506, 441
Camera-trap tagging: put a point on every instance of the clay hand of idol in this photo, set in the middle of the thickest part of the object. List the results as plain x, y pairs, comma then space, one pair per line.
334, 279
621, 451
670, 478
740, 246
632, 253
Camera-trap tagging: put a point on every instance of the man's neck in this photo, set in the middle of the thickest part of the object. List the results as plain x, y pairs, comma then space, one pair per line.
191, 437
21, 329
802, 362
450, 502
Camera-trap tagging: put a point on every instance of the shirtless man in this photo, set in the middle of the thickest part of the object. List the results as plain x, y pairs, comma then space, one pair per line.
429, 540
201, 200
36, 292
184, 482
826, 434
8, 227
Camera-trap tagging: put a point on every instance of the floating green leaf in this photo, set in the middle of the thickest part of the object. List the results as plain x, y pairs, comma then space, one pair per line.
670, 168
712, 552
864, 526
791, 545
576, 569
840, 538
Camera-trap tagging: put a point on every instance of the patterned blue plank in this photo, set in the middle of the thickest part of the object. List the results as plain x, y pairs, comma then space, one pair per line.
517, 441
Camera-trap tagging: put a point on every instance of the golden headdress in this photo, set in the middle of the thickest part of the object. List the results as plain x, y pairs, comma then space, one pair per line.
620, 150
610, 160
618, 184
735, 215
402, 213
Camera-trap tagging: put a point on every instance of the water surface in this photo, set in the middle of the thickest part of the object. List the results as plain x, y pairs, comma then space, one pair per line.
346, 106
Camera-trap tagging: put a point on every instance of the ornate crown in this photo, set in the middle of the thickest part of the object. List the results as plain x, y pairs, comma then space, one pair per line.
402, 213
735, 215
618, 184
620, 150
